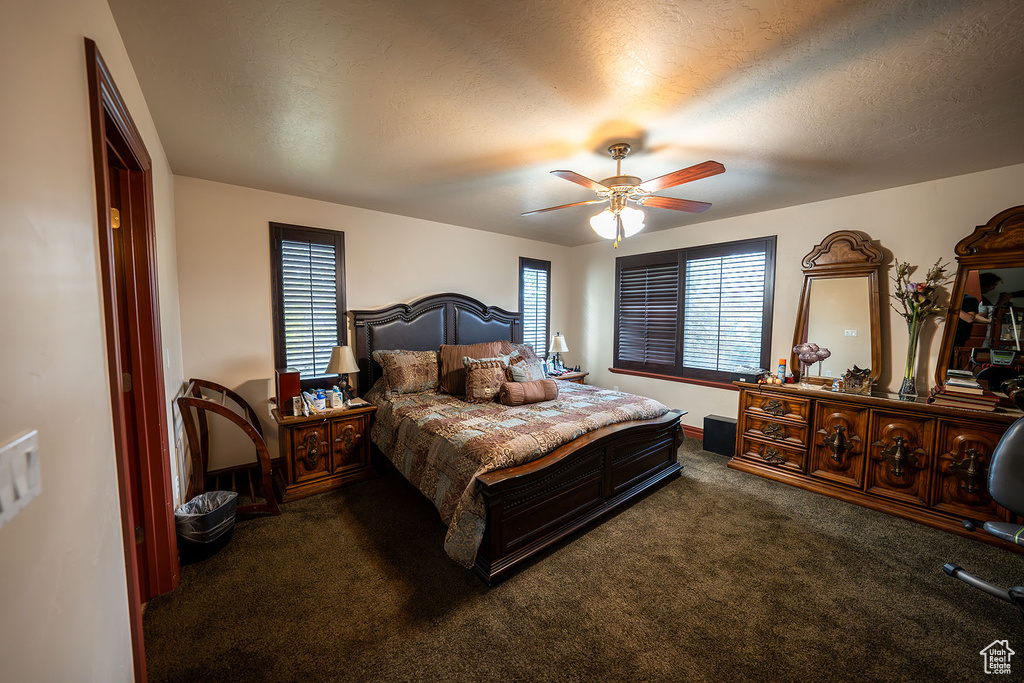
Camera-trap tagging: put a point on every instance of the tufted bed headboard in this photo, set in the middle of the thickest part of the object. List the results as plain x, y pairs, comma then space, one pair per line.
424, 325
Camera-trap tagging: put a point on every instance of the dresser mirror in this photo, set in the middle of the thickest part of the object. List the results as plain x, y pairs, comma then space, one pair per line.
839, 306
984, 331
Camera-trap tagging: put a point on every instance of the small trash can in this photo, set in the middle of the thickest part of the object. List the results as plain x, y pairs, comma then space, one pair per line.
207, 517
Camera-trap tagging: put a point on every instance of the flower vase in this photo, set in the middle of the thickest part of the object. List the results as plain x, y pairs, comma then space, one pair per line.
908, 390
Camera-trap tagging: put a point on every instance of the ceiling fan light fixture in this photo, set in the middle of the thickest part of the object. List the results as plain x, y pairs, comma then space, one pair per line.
632, 220
604, 224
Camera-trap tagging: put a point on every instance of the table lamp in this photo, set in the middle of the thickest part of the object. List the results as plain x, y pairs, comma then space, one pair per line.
558, 346
342, 363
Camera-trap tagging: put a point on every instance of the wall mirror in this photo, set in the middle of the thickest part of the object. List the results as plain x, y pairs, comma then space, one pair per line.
839, 306
984, 331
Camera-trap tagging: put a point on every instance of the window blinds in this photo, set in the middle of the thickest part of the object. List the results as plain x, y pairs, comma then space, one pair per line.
724, 312
534, 295
310, 304
648, 315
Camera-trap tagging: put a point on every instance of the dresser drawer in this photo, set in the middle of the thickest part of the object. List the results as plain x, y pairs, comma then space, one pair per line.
773, 429
348, 444
776, 406
963, 456
900, 458
773, 453
839, 443
311, 452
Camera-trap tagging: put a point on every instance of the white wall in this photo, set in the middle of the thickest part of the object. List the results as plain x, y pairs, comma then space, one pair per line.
919, 223
63, 596
224, 260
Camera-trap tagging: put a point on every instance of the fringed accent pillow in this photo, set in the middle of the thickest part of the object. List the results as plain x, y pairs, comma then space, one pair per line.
484, 378
452, 372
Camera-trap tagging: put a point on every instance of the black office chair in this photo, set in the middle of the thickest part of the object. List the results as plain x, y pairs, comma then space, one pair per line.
1006, 486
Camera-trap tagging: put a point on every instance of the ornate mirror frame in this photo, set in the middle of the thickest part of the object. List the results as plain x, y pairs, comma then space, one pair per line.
996, 244
843, 254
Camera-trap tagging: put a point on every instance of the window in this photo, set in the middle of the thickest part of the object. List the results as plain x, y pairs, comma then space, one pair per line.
535, 302
308, 283
698, 313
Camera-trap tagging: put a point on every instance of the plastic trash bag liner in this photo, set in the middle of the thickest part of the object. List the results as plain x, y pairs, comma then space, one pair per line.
206, 517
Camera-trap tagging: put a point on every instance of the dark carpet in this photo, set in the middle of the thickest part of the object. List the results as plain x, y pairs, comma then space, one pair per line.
715, 576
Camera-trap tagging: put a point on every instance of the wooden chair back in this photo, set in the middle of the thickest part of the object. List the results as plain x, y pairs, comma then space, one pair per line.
243, 479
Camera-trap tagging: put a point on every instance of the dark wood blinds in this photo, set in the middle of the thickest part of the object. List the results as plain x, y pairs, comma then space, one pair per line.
702, 312
647, 316
308, 297
535, 303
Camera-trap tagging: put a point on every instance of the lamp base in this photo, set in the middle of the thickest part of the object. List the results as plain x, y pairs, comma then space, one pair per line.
346, 388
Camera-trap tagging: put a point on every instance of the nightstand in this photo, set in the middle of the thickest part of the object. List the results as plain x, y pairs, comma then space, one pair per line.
577, 377
322, 452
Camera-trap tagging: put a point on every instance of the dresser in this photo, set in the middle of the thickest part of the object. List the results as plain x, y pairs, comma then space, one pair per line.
322, 452
908, 458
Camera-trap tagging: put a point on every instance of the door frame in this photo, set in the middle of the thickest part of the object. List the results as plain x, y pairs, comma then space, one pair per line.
112, 125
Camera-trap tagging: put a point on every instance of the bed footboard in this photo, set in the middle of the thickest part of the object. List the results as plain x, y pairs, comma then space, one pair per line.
533, 506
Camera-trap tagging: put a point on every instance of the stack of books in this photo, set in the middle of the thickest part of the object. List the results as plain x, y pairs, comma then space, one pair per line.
961, 390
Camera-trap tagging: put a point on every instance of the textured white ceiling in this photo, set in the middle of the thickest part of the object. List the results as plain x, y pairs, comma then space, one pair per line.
456, 111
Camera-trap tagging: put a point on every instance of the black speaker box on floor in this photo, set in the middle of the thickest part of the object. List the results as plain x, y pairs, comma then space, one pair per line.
720, 435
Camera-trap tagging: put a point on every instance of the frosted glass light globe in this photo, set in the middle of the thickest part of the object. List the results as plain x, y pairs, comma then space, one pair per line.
632, 220
604, 224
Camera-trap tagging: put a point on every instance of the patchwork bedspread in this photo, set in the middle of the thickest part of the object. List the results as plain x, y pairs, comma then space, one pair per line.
441, 443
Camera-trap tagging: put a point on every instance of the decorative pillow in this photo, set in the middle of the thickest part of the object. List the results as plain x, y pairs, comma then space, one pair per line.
484, 379
524, 350
523, 370
521, 393
408, 372
452, 373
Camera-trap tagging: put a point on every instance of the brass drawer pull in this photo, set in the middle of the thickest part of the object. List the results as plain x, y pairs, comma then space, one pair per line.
774, 407
901, 457
312, 446
971, 471
772, 456
838, 443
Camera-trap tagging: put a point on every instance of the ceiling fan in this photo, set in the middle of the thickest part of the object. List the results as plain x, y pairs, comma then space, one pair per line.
620, 220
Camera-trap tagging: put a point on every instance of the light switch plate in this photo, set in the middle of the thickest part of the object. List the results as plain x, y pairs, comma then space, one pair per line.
20, 475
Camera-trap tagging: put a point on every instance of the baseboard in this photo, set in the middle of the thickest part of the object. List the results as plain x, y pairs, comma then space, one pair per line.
693, 432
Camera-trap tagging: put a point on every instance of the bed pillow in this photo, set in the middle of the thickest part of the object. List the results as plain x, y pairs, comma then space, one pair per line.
451, 371
408, 372
521, 369
524, 350
522, 393
484, 378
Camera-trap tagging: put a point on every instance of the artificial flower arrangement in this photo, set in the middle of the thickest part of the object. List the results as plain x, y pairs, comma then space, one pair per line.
917, 301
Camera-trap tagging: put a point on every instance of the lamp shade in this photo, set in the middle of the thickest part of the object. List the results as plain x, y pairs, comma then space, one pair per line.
342, 362
558, 344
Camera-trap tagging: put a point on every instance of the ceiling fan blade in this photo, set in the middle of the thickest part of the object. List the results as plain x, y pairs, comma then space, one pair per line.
564, 206
677, 204
574, 177
686, 175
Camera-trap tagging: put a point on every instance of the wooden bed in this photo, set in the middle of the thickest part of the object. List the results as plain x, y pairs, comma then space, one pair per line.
532, 506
